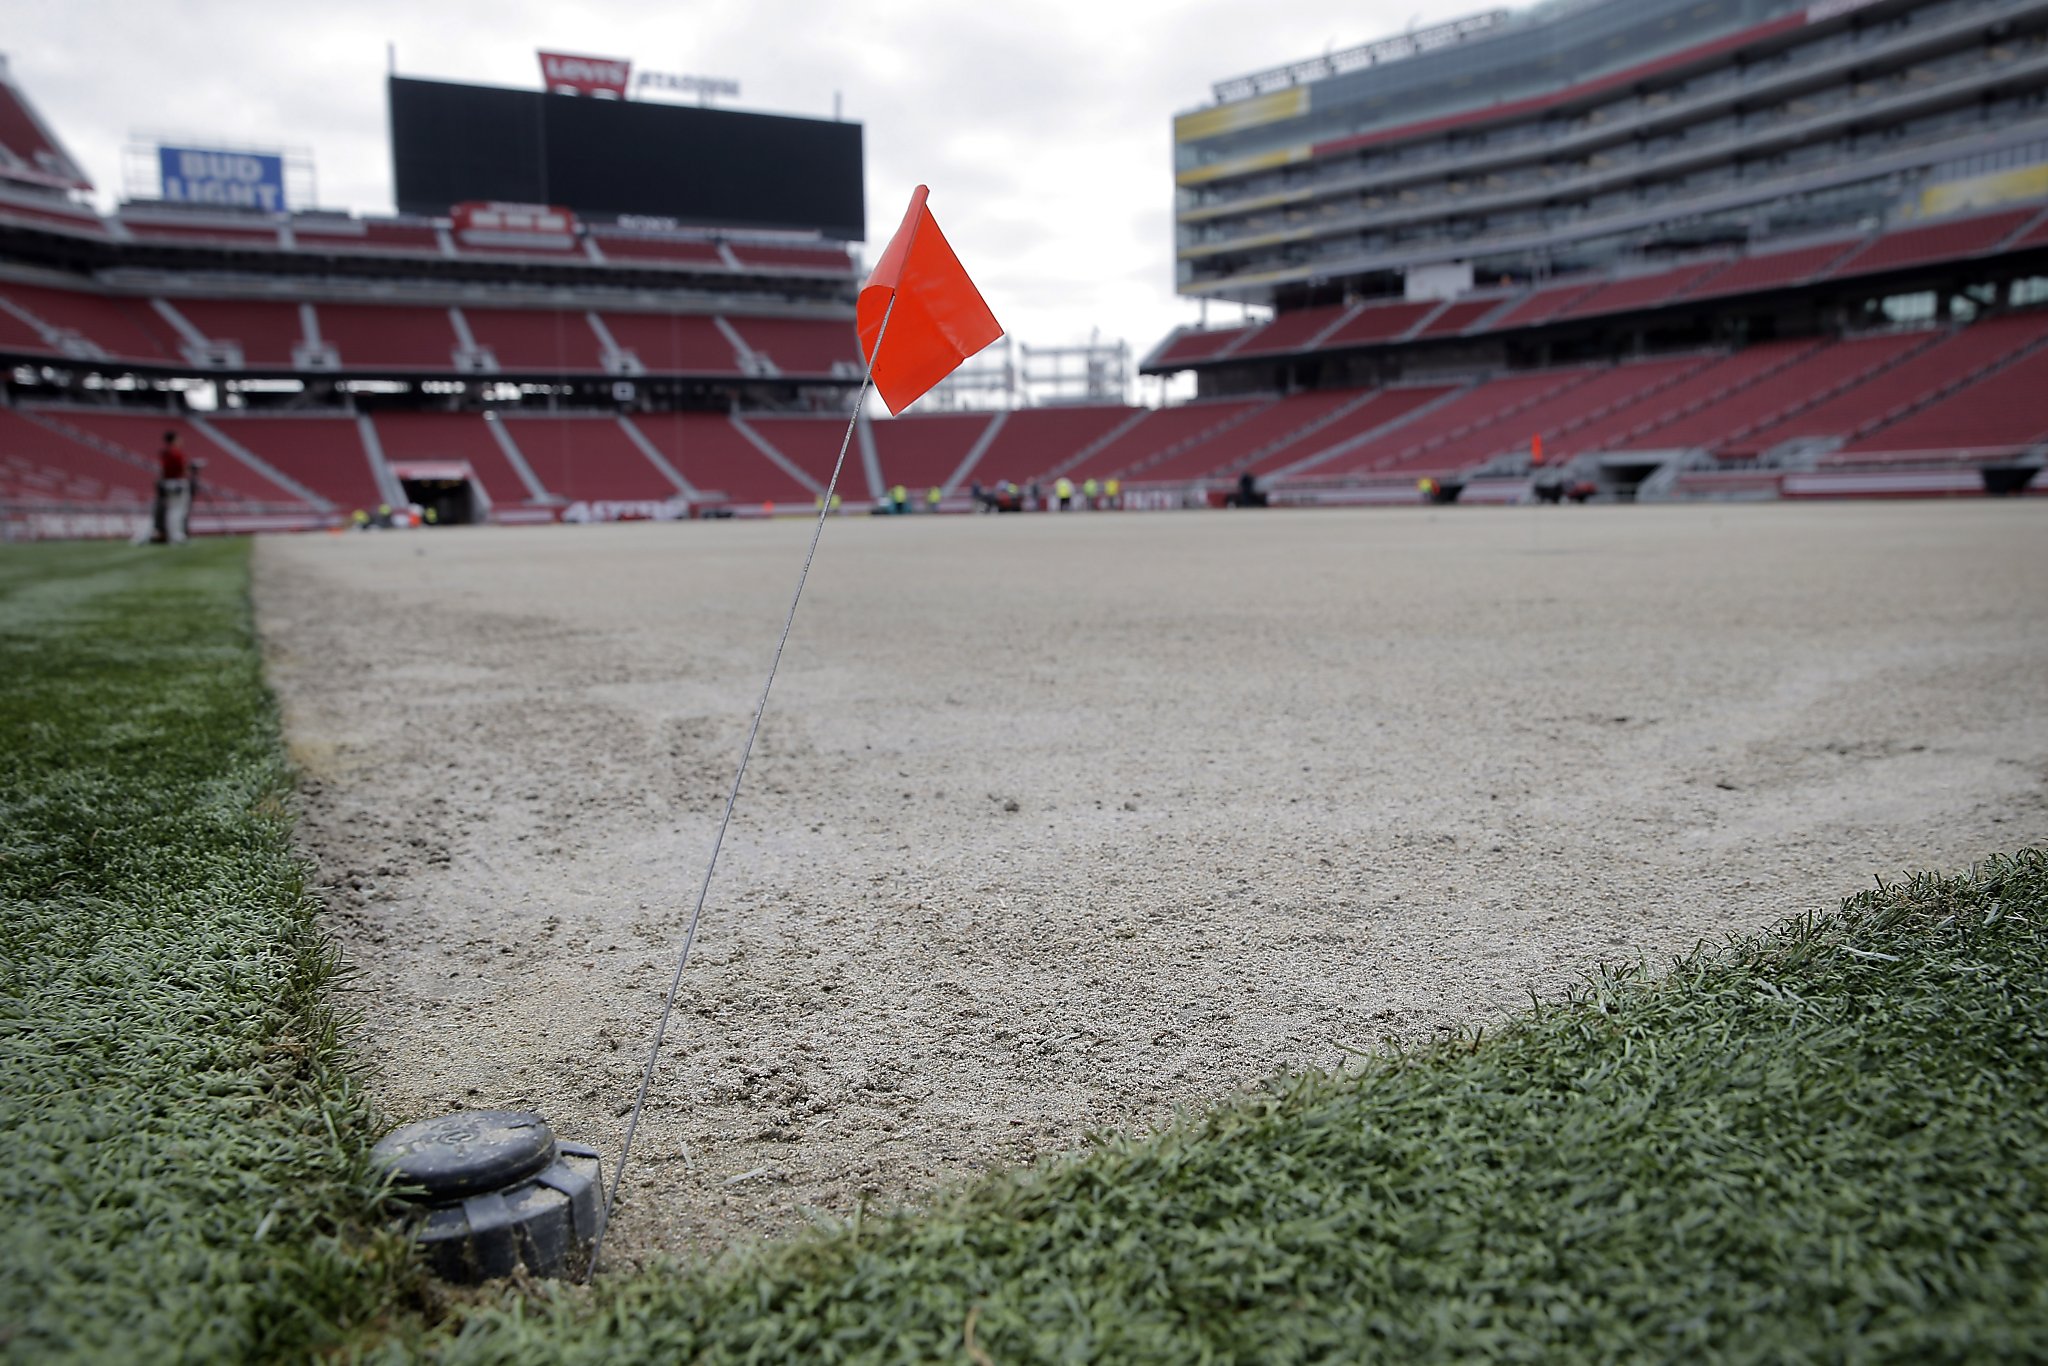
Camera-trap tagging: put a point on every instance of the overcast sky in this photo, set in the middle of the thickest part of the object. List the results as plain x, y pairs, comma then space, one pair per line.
1043, 129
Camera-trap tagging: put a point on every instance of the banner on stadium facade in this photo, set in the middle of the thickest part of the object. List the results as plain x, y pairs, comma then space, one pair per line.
606, 77
1985, 191
242, 180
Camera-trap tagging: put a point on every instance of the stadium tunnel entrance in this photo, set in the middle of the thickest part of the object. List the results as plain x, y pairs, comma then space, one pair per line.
1621, 478
448, 491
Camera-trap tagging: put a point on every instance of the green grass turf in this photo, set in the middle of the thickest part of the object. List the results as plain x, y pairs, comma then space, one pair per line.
1828, 1142
184, 1153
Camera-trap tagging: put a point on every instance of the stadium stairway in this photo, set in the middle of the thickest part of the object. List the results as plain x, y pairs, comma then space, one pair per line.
53, 462
1388, 412
269, 471
1160, 434
1829, 384
1993, 400
134, 438
1475, 420
1711, 384
714, 454
1030, 436
1338, 419
588, 457
924, 451
1241, 441
1618, 393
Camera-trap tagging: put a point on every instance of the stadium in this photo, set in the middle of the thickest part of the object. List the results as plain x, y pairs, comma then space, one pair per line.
1667, 250
1322, 902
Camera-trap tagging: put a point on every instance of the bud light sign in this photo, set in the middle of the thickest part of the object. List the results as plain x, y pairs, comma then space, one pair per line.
242, 180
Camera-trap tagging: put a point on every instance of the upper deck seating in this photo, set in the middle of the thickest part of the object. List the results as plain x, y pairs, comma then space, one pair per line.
667, 251
1294, 331
23, 137
803, 346
236, 236
1379, 322
674, 343
368, 235
1637, 291
388, 336
1460, 316
1543, 305
2035, 236
762, 256
265, 331
25, 207
530, 340
1904, 247
1198, 344
1768, 270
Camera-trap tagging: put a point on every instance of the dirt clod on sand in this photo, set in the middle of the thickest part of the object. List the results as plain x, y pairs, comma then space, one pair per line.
1058, 822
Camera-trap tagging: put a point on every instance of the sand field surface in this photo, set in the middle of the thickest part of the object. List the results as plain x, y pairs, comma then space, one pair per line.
1056, 823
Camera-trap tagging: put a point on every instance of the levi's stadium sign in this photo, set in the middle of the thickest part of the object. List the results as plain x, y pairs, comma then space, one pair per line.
603, 76
609, 78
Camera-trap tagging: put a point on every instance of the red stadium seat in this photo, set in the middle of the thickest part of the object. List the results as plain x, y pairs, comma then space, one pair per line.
921, 451
1034, 440
803, 346
465, 437
323, 452
588, 456
717, 459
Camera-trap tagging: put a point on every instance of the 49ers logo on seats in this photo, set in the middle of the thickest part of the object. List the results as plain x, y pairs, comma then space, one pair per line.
605, 76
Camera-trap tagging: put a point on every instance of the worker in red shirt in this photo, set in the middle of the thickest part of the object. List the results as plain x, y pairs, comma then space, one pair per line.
173, 491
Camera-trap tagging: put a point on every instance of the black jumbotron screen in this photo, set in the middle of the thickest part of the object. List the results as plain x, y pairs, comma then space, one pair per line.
710, 167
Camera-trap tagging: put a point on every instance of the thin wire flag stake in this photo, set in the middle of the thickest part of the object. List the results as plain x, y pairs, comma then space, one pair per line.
947, 321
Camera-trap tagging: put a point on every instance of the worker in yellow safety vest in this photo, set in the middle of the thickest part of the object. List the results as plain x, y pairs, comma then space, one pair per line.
932, 497
1063, 489
1089, 490
899, 500
1113, 490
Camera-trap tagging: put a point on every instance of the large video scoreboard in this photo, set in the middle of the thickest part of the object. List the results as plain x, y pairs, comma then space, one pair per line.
715, 168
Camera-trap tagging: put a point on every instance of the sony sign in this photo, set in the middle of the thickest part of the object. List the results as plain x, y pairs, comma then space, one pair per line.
241, 180
602, 76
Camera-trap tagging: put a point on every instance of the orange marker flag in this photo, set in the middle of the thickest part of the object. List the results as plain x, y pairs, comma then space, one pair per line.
938, 320
1536, 449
